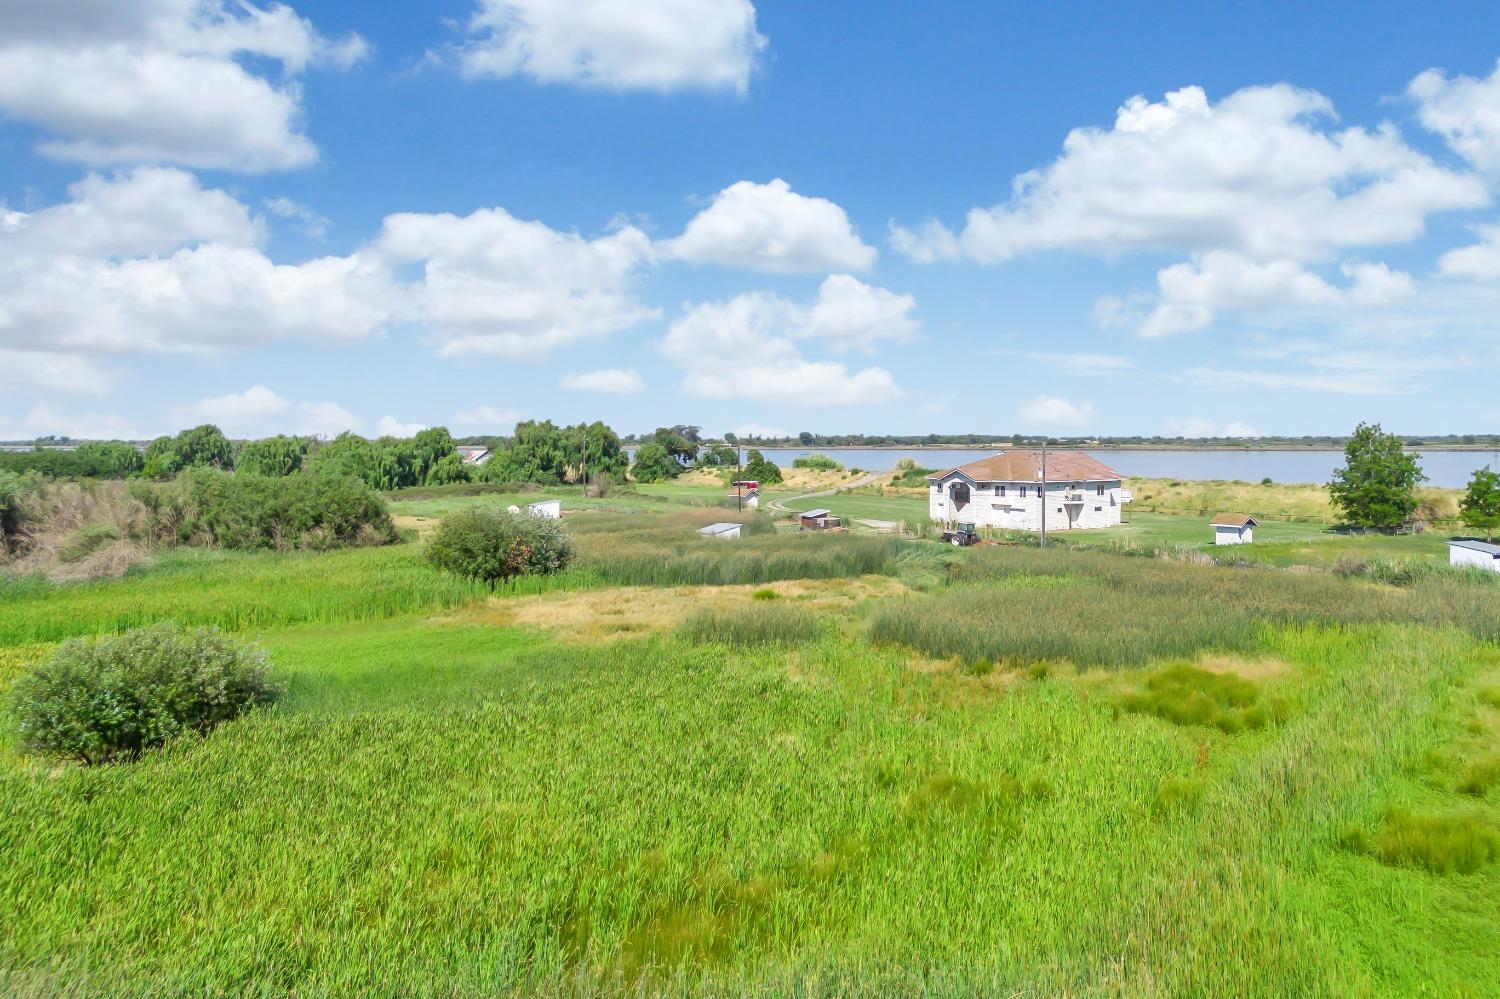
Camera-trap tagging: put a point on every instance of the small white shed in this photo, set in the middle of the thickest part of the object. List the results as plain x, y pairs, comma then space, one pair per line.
1234, 528
1475, 553
726, 530
546, 509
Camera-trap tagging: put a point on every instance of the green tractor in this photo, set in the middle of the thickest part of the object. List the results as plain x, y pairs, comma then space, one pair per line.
963, 536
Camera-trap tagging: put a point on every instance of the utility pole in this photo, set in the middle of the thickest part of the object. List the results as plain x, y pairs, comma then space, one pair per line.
1044, 492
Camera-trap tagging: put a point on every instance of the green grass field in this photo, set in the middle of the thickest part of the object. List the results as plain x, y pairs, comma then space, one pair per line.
1003, 771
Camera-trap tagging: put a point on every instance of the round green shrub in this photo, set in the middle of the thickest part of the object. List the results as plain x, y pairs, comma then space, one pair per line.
97, 700
495, 545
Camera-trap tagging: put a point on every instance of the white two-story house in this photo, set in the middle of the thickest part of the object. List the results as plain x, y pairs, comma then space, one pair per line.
1006, 490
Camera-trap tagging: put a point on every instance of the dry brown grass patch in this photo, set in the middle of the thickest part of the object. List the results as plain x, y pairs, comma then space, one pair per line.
1263, 668
587, 616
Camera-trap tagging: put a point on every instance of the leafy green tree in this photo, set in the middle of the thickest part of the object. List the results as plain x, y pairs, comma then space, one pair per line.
731, 439
1480, 506
277, 456
538, 453
1377, 485
681, 443
348, 454
654, 463
716, 455
600, 446
761, 470
108, 459
449, 468
424, 452
805, 439
200, 447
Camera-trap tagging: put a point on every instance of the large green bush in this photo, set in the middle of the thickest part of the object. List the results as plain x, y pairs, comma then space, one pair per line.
96, 700
494, 545
299, 511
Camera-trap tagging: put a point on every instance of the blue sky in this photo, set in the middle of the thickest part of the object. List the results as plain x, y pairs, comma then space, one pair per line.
838, 217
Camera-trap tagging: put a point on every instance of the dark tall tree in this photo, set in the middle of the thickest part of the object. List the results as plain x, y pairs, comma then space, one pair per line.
1377, 485
683, 447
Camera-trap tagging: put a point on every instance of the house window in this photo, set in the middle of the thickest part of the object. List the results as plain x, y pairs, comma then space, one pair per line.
999, 489
1098, 509
1099, 489
1023, 492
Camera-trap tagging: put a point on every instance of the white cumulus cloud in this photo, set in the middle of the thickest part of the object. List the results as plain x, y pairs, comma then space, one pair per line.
150, 260
48, 371
258, 412
389, 426
1191, 294
1258, 173
1478, 262
130, 81
1052, 412
44, 421
750, 346
1464, 110
623, 381
485, 419
1199, 426
660, 45
499, 286
769, 227
313, 225
759, 430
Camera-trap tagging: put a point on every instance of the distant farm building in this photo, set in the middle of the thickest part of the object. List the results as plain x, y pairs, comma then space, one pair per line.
746, 493
1234, 528
725, 531
1472, 552
1006, 490
474, 454
546, 509
818, 520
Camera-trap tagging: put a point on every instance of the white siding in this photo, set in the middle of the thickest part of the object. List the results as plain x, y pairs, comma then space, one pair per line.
1233, 535
988, 508
548, 509
1470, 557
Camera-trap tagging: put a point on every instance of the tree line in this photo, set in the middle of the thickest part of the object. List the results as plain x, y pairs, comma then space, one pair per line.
539, 452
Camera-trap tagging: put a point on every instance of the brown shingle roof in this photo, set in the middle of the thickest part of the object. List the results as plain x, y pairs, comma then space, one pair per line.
1021, 465
1234, 520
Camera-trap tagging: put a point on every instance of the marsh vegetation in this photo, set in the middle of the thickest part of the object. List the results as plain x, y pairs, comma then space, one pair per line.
791, 763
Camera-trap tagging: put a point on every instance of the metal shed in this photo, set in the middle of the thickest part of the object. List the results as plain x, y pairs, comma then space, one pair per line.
818, 520
549, 509
1475, 553
724, 530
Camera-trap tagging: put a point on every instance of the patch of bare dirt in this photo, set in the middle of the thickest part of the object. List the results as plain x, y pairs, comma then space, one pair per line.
587, 616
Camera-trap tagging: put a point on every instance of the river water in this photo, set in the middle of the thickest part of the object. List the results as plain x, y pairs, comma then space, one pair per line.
1444, 468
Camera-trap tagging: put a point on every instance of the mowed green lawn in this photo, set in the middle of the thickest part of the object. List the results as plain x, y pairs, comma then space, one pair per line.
1276, 542
446, 806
